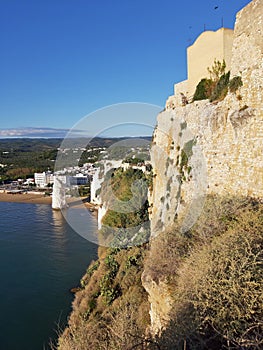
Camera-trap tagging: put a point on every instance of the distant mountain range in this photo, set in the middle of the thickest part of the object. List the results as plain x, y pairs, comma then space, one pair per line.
33, 132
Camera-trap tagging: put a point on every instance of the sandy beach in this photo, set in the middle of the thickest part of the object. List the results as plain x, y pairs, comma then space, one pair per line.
25, 198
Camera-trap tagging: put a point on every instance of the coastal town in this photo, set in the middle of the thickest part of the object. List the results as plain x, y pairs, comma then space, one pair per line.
83, 180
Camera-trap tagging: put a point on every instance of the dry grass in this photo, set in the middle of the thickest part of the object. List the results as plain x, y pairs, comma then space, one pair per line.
171, 247
217, 288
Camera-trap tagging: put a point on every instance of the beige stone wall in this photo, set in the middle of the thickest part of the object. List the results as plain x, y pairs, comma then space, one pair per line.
176, 99
181, 87
201, 55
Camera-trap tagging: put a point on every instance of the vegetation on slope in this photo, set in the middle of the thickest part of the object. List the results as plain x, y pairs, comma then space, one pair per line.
22, 157
111, 311
126, 222
214, 273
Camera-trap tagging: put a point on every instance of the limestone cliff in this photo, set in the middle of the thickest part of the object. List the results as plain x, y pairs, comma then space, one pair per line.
205, 147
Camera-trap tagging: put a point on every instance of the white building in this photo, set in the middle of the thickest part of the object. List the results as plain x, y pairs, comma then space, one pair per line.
29, 181
78, 179
43, 179
49, 177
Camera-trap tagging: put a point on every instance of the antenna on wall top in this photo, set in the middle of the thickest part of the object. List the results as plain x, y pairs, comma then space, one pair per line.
222, 22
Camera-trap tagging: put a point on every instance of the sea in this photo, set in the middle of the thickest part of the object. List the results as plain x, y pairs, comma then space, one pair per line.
41, 259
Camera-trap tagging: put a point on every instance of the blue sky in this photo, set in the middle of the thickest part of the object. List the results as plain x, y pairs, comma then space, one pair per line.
63, 59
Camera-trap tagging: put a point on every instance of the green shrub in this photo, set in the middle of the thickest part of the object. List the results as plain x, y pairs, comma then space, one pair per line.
132, 261
221, 88
203, 90
217, 70
93, 268
92, 303
111, 263
114, 251
123, 228
110, 294
235, 83
215, 88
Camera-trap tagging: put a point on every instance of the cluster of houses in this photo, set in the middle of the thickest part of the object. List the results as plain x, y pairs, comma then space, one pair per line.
73, 176
43, 180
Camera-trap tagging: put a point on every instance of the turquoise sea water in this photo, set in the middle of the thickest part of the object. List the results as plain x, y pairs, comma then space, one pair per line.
41, 258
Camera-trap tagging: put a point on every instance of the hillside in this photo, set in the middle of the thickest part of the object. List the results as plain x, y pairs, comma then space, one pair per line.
204, 286
22, 157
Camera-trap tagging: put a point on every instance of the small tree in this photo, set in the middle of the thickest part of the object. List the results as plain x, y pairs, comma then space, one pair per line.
217, 69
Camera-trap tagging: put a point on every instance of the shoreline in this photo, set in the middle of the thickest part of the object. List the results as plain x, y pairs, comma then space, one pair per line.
42, 199
25, 198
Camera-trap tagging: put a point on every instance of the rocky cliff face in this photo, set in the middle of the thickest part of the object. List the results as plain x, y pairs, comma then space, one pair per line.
214, 147
247, 53
208, 147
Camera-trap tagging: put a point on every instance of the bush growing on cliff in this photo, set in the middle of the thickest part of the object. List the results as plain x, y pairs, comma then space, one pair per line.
112, 312
213, 90
221, 88
206, 87
235, 83
203, 90
128, 223
217, 70
216, 88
